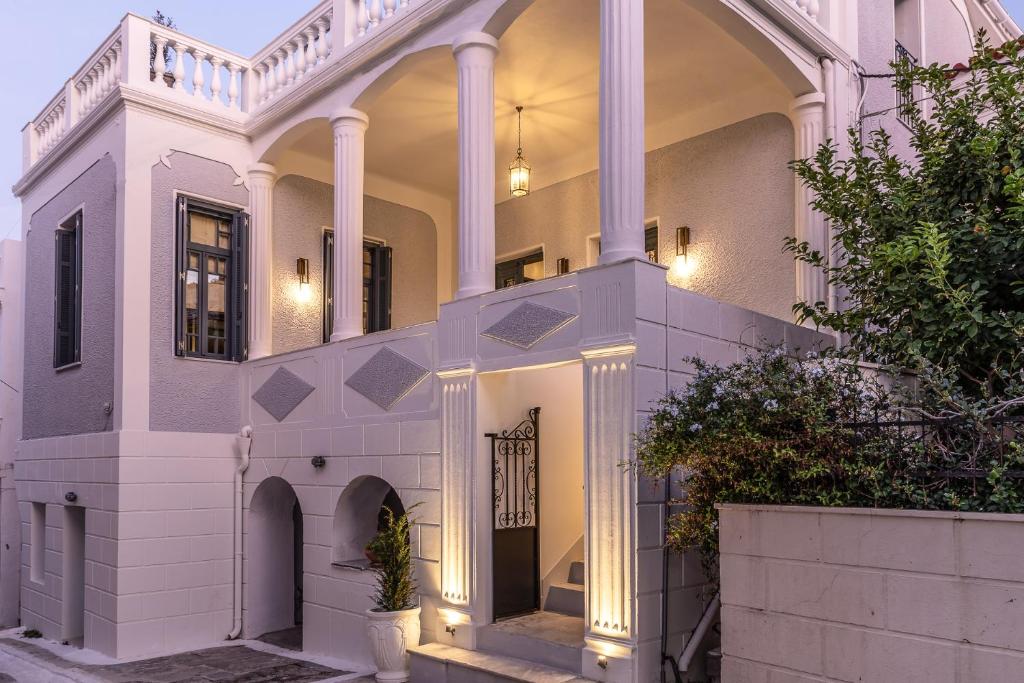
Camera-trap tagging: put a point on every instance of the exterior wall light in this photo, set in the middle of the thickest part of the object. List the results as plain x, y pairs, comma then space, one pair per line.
304, 292
602, 661
519, 170
71, 496
684, 263
318, 461
563, 266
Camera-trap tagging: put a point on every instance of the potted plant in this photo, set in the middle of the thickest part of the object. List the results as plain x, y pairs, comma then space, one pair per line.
394, 623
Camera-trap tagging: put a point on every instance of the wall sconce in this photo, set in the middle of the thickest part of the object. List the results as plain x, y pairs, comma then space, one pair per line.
602, 662
683, 265
563, 266
71, 496
302, 270
318, 461
450, 629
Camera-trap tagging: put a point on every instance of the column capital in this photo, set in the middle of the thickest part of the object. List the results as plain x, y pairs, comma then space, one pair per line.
262, 171
347, 117
474, 39
814, 101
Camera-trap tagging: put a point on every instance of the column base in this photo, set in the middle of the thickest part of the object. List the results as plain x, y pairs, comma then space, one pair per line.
617, 255
608, 660
346, 334
455, 627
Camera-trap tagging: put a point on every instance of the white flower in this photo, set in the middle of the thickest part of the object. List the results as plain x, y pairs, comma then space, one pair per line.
771, 404
713, 405
695, 428
718, 391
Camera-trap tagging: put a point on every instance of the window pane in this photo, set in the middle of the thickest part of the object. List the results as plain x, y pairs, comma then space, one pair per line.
216, 305
534, 271
192, 287
202, 229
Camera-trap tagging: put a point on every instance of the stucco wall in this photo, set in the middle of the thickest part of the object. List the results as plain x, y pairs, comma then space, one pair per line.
948, 38
302, 209
189, 395
732, 188
71, 401
820, 594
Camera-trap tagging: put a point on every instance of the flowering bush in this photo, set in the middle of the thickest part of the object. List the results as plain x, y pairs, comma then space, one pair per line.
816, 431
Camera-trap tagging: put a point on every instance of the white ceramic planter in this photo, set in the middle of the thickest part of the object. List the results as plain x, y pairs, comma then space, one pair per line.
391, 634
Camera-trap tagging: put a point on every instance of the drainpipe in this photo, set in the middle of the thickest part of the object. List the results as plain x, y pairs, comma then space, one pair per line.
243, 444
697, 637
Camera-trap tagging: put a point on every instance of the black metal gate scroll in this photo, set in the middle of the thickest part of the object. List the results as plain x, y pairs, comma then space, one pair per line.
515, 473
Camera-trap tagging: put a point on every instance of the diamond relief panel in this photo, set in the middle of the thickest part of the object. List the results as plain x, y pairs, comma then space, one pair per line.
386, 377
527, 324
282, 393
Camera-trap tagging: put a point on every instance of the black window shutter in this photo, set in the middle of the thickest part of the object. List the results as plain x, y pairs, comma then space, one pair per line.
181, 264
64, 297
328, 285
240, 287
382, 287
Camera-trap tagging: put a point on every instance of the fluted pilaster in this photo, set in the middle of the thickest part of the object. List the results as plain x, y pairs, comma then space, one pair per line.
474, 59
349, 134
457, 471
808, 116
621, 170
261, 259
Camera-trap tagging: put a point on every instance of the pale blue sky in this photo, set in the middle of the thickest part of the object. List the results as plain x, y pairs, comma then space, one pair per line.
47, 40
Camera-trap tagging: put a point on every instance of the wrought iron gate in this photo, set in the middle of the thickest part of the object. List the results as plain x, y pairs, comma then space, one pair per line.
515, 474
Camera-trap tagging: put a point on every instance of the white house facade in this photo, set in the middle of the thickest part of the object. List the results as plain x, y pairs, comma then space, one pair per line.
267, 297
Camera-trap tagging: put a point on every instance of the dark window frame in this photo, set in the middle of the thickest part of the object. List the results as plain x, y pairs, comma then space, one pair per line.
377, 286
236, 331
651, 242
510, 272
68, 234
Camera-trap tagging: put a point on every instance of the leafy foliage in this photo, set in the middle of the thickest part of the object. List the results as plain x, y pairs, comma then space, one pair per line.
777, 430
930, 250
396, 588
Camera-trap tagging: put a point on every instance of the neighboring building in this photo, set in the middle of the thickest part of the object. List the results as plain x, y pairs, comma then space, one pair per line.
304, 246
11, 366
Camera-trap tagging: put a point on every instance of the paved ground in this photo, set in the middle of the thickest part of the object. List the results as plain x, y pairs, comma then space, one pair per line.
23, 661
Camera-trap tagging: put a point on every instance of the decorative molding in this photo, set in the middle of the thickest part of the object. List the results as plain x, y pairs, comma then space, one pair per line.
458, 555
282, 393
527, 324
387, 377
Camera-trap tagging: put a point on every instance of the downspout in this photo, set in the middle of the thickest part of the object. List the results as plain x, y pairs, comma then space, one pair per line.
243, 444
828, 76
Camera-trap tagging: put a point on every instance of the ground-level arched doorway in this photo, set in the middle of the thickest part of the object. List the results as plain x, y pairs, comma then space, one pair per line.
274, 539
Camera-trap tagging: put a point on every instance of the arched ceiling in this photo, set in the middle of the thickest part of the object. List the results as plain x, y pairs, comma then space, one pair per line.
698, 78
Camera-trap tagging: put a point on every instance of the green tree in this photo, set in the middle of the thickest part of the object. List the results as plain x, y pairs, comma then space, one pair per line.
930, 249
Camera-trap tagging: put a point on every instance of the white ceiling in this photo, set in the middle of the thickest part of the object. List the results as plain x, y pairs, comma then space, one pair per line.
697, 77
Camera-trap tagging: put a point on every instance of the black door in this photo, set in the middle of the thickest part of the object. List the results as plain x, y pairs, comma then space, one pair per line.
515, 459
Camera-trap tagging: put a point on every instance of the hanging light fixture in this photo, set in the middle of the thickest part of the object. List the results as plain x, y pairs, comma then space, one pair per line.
519, 170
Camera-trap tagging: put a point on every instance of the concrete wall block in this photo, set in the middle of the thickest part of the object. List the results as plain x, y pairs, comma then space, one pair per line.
682, 345
923, 544
822, 592
737, 324
347, 440
768, 533
981, 664
651, 344
993, 614
863, 655
430, 471
983, 546
401, 471
694, 313
371, 465
743, 581
420, 436
929, 606
316, 442
381, 439
775, 639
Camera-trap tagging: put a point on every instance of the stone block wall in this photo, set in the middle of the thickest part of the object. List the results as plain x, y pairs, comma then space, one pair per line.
822, 594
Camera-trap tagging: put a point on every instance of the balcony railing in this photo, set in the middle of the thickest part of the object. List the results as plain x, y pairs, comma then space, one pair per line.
142, 55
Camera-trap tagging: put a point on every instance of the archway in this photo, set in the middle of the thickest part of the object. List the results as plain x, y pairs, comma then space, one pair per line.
274, 560
361, 512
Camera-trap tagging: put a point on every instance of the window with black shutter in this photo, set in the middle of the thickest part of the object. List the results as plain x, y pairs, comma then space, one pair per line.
376, 286
519, 270
67, 298
211, 303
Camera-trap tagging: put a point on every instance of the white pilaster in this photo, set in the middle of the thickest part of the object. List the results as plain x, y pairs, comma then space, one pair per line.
261, 253
349, 134
610, 511
457, 471
474, 59
621, 171
808, 116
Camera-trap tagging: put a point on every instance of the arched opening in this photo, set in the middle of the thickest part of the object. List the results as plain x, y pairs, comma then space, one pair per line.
274, 540
360, 513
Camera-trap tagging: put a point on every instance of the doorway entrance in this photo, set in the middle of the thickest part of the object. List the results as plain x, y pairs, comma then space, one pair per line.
515, 473
274, 542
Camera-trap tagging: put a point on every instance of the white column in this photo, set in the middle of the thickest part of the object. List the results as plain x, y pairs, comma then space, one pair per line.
610, 509
474, 59
621, 170
457, 509
808, 116
349, 133
261, 252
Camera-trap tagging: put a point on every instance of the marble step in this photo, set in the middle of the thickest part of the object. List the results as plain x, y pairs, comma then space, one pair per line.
544, 638
576, 573
565, 598
437, 663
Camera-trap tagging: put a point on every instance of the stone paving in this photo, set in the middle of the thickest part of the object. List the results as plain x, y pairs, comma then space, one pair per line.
226, 664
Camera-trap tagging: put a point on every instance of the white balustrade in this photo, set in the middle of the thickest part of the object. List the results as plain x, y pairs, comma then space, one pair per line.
371, 13
295, 54
812, 8
210, 68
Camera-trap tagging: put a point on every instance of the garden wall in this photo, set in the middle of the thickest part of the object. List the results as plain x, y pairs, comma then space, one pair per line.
842, 594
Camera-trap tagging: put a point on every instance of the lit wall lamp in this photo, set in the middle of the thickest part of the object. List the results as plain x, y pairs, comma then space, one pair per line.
519, 170
683, 265
563, 266
602, 661
302, 270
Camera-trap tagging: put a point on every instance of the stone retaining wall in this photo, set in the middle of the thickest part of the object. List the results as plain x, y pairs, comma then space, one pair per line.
841, 594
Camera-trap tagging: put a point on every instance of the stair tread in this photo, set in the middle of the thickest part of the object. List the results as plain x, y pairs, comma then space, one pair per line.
575, 587
508, 667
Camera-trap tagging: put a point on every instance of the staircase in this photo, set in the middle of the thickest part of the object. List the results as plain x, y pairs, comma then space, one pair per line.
567, 598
